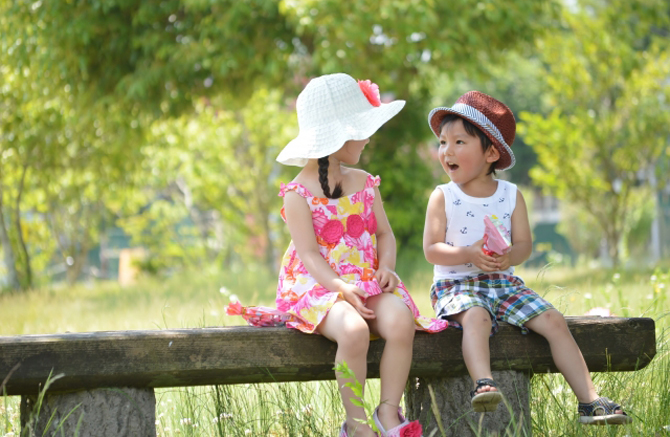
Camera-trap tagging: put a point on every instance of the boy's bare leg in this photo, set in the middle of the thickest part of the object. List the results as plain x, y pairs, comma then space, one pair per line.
476, 323
349, 330
567, 356
395, 324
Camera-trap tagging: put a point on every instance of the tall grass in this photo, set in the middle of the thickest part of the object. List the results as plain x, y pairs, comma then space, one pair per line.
314, 408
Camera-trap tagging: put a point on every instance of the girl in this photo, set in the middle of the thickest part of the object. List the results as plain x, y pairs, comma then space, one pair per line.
337, 277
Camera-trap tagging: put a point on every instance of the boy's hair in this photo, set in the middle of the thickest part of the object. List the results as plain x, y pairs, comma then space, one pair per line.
474, 131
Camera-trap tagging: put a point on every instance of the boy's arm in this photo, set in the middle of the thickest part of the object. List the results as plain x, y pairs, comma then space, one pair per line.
440, 253
522, 238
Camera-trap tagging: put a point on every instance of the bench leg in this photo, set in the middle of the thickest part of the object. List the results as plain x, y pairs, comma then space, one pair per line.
452, 399
100, 412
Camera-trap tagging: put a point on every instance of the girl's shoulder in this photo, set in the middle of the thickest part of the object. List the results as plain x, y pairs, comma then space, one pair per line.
361, 178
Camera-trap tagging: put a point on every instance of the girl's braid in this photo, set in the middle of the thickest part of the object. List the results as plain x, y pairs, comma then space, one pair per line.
323, 179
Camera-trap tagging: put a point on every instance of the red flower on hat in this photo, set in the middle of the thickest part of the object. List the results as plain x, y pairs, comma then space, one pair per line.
371, 91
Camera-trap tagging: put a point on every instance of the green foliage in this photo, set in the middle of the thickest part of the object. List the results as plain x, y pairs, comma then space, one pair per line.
111, 105
609, 92
357, 390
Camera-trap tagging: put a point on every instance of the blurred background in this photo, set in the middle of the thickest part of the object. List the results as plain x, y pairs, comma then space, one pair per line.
139, 138
138, 181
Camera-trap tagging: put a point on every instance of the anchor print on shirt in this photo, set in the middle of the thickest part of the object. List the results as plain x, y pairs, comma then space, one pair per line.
464, 230
469, 214
485, 205
457, 202
501, 200
450, 243
468, 265
506, 216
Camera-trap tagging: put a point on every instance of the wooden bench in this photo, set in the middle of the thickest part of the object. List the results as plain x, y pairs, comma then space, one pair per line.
133, 363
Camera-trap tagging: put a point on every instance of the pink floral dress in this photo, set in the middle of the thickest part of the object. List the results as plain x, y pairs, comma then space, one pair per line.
345, 232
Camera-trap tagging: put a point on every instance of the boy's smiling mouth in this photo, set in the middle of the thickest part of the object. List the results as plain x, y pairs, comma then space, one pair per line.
452, 166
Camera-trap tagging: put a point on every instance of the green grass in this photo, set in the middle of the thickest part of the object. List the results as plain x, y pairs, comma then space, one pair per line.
288, 409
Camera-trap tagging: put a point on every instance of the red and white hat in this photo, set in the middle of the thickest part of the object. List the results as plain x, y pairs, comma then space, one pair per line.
493, 117
332, 110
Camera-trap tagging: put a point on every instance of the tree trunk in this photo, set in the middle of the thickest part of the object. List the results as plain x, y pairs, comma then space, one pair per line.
10, 259
19, 230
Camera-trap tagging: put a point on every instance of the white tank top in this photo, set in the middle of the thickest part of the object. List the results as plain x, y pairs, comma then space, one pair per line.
465, 222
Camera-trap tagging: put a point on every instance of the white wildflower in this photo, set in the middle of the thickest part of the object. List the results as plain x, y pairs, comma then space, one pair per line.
224, 291
588, 296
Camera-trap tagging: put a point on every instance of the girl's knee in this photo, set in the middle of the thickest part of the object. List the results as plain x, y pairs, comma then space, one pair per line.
354, 336
400, 327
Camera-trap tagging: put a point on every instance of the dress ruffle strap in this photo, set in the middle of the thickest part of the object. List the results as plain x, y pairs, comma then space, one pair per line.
372, 181
294, 186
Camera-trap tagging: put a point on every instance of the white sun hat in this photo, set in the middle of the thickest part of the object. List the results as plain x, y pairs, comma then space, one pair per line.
332, 110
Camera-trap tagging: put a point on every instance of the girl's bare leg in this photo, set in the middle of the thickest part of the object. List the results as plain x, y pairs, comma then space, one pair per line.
395, 324
349, 330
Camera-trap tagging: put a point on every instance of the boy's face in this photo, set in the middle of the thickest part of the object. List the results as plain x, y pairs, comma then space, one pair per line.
461, 154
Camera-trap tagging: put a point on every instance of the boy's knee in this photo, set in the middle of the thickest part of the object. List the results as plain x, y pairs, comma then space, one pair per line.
476, 316
553, 322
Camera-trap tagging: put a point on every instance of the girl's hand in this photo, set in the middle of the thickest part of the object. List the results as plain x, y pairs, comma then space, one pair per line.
353, 295
480, 259
388, 280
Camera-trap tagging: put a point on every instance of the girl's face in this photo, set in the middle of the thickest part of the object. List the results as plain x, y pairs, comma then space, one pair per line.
461, 154
350, 153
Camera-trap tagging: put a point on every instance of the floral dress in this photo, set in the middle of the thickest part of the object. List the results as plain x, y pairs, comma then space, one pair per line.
345, 232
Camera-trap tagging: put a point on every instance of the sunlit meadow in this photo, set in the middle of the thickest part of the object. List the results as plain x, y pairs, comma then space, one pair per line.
314, 409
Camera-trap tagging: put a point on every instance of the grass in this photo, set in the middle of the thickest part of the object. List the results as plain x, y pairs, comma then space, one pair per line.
314, 408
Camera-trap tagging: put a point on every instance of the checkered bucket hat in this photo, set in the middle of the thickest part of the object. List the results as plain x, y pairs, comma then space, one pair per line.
332, 110
493, 117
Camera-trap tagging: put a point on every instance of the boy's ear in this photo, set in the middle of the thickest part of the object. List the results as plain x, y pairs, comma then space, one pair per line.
493, 154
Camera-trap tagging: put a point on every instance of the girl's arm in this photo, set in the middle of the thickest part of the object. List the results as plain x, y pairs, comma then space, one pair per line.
522, 238
440, 253
301, 228
386, 247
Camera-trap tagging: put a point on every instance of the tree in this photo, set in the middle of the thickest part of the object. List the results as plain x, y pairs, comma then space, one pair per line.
607, 76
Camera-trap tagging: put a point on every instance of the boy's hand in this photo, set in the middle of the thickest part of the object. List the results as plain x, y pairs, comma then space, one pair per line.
485, 262
387, 279
353, 295
502, 260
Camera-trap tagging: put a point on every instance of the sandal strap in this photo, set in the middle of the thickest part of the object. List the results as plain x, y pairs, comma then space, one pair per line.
481, 383
603, 405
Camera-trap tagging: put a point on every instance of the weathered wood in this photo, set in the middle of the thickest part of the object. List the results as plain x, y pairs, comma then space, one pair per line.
99, 412
203, 356
450, 396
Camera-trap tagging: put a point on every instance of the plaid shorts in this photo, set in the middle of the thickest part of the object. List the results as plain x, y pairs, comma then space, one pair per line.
506, 297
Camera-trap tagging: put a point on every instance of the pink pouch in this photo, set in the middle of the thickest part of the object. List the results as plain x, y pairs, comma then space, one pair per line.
496, 238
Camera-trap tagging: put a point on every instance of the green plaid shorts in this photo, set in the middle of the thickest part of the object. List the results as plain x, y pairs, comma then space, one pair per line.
505, 297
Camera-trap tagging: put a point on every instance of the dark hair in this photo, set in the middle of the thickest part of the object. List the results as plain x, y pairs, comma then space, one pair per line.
323, 179
473, 130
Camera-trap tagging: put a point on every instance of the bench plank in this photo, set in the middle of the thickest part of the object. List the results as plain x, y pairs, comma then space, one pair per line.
204, 356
